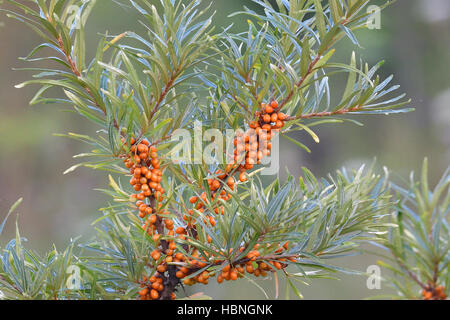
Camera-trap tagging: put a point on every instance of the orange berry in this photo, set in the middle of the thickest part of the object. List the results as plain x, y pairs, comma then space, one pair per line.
172, 246
193, 200
161, 268
143, 292
154, 294
155, 163
142, 148
137, 172
427, 295
274, 104
226, 275
156, 255
180, 257
180, 230
215, 185
153, 219
269, 109
274, 117
153, 185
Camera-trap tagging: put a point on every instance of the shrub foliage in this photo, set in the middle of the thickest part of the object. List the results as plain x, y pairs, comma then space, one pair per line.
186, 222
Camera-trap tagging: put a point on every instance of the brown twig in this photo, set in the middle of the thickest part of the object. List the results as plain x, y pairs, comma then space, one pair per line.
411, 274
324, 113
167, 88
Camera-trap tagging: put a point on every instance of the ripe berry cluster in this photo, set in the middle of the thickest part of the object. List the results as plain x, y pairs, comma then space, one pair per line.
254, 264
434, 293
145, 169
255, 144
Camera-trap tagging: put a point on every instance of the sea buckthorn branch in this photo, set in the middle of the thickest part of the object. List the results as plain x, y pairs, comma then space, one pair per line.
300, 82
119, 108
142, 161
56, 33
256, 66
233, 226
421, 209
265, 257
76, 72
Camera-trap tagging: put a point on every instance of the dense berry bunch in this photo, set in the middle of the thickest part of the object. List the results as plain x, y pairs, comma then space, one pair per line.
146, 173
434, 293
255, 143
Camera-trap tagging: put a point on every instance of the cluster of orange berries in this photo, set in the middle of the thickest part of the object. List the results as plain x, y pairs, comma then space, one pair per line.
255, 143
152, 287
437, 293
252, 264
145, 169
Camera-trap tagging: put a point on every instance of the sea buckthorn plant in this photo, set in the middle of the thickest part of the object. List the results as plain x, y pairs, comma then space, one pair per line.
419, 247
177, 223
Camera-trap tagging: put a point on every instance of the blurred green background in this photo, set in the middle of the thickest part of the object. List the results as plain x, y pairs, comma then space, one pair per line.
414, 40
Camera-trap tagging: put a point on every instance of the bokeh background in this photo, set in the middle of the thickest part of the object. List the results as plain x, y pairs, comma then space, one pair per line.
414, 41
